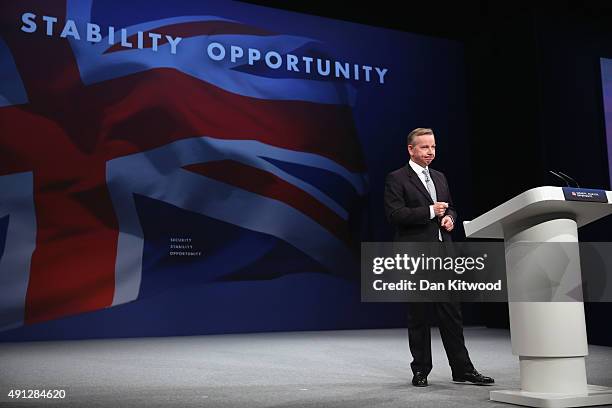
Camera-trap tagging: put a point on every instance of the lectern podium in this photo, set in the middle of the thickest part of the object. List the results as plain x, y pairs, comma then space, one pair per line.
549, 337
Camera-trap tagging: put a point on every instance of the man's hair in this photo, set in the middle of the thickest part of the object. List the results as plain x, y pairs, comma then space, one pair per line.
417, 132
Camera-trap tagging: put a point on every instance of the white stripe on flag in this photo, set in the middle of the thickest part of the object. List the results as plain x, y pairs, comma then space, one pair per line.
16, 201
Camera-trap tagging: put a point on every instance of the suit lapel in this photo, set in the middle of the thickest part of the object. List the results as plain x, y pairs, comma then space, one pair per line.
414, 179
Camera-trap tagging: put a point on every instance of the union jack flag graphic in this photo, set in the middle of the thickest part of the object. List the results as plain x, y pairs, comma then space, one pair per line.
98, 143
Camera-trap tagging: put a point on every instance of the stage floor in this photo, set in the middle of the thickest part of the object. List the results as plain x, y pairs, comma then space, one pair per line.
352, 369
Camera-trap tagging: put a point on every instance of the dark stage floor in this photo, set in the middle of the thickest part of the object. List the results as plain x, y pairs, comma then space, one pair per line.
352, 369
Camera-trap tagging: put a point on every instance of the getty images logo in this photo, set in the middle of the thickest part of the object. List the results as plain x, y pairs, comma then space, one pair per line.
412, 264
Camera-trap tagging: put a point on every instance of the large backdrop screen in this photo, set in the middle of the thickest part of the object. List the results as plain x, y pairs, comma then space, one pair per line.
606, 79
179, 167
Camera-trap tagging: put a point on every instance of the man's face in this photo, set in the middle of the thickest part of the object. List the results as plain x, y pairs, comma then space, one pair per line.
423, 150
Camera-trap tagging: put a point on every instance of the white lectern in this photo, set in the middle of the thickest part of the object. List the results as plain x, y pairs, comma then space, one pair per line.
549, 337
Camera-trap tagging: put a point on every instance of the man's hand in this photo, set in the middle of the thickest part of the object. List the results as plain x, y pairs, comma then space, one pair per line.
447, 223
439, 208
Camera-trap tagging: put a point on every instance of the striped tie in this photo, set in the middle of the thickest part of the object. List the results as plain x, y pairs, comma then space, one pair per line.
430, 186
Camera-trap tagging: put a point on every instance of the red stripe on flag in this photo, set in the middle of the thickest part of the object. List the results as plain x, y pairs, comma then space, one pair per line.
269, 185
54, 135
145, 109
73, 264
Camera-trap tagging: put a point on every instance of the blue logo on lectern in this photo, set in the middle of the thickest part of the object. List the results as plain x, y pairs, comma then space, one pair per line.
585, 194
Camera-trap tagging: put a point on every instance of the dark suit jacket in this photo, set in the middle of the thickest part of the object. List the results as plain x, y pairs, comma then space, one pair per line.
407, 205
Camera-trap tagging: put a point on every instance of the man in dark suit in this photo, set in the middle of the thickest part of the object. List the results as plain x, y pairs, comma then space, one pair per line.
419, 206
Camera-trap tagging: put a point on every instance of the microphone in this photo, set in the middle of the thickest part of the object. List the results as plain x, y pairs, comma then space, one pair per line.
559, 177
566, 176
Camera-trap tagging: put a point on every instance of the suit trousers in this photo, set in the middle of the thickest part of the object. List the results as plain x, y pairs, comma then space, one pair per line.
451, 330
